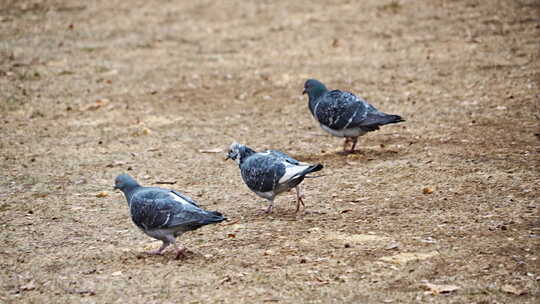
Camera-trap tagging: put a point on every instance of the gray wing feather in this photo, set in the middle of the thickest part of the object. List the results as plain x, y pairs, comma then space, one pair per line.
185, 197
339, 110
283, 156
262, 172
154, 208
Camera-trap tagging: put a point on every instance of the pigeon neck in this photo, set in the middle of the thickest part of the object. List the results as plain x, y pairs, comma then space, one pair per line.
314, 94
244, 153
129, 191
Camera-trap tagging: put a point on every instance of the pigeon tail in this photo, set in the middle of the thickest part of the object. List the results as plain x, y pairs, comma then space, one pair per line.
213, 217
373, 121
310, 169
314, 168
389, 119
298, 178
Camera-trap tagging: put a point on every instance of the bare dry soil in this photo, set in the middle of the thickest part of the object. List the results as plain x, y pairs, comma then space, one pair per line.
442, 208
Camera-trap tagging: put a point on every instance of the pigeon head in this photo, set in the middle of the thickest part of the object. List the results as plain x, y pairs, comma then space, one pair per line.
314, 88
238, 152
124, 182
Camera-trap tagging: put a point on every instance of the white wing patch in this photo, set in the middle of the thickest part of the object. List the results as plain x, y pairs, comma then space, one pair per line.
179, 199
290, 172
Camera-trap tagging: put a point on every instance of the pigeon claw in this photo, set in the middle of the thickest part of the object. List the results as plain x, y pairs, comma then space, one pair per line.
268, 210
348, 140
299, 198
180, 253
299, 202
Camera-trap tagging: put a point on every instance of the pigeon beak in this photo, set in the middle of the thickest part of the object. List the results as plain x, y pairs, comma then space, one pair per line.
227, 157
114, 188
304, 92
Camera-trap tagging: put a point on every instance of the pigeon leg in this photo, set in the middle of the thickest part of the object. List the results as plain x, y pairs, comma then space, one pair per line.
354, 141
345, 143
160, 250
180, 251
299, 198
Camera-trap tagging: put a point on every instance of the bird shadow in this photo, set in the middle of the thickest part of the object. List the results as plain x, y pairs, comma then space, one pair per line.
283, 211
362, 156
167, 255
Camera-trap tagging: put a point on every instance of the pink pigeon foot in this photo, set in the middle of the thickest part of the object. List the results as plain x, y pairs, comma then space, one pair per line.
181, 252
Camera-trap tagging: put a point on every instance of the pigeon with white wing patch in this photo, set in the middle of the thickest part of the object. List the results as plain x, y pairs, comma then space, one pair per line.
271, 172
162, 213
343, 114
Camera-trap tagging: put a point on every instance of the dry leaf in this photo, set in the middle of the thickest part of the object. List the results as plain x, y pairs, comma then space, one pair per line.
28, 286
392, 245
215, 150
98, 104
404, 258
225, 280
102, 194
427, 190
513, 290
231, 235
165, 182
437, 289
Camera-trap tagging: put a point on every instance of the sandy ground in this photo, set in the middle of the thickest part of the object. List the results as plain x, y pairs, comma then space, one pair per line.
442, 208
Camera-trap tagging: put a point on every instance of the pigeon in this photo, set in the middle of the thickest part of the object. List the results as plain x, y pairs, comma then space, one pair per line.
343, 114
162, 213
271, 172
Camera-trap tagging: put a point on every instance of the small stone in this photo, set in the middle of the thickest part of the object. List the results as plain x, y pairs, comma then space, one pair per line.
427, 190
102, 194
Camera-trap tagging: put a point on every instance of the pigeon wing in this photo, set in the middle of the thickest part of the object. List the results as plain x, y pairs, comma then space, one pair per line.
261, 172
185, 197
374, 120
149, 210
293, 172
280, 155
159, 208
339, 110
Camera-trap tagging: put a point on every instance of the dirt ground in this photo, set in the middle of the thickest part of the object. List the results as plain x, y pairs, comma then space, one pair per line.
443, 208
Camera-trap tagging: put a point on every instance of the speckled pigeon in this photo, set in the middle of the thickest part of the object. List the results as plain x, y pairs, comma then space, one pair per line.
343, 114
162, 213
271, 172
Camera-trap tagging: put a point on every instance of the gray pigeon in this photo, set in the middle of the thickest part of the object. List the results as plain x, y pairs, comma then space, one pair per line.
271, 172
343, 114
162, 213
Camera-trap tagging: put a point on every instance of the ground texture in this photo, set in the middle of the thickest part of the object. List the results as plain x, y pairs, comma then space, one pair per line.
442, 208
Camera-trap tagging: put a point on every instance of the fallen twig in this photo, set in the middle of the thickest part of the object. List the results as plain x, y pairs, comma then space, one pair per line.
165, 183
